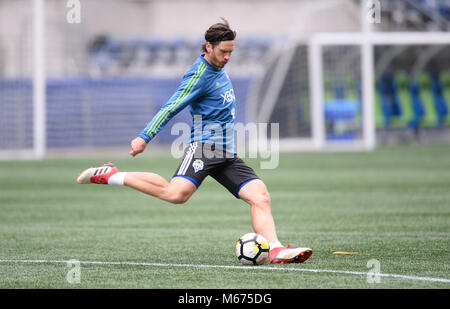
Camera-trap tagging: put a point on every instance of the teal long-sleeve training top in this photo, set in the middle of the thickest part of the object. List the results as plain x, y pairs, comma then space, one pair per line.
209, 94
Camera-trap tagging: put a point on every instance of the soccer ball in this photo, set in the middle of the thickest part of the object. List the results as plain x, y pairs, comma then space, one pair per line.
252, 249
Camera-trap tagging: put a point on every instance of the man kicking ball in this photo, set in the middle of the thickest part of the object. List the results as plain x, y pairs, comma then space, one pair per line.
207, 90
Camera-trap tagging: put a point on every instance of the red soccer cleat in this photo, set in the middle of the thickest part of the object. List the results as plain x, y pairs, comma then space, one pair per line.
283, 255
97, 174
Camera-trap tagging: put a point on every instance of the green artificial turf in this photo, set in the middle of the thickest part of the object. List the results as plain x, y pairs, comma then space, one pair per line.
391, 205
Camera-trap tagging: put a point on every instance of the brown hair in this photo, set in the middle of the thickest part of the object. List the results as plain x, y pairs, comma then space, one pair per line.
217, 33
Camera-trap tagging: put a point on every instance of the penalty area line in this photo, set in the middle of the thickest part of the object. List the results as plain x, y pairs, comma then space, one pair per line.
273, 268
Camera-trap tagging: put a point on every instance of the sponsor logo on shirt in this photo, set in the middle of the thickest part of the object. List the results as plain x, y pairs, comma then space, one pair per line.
228, 96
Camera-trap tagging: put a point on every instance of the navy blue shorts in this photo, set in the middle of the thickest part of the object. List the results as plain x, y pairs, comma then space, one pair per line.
226, 168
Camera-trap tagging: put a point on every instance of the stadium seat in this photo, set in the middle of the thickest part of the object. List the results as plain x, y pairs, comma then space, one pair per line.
417, 105
329, 93
156, 47
439, 100
429, 118
444, 78
405, 112
387, 98
341, 118
99, 58
411, 103
255, 48
351, 88
339, 89
380, 119
141, 54
180, 50
108, 55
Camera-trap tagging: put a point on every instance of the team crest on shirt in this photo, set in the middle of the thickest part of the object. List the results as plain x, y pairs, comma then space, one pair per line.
197, 165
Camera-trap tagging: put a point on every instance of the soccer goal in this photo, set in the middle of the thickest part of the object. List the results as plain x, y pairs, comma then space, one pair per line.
335, 91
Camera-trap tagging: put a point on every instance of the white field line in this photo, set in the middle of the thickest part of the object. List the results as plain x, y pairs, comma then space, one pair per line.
431, 279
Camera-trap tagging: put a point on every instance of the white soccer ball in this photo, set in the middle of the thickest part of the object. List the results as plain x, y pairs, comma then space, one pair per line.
252, 249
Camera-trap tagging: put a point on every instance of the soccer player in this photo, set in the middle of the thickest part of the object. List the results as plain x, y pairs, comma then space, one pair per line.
207, 90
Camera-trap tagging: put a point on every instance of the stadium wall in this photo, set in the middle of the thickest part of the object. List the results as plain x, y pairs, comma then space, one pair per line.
87, 113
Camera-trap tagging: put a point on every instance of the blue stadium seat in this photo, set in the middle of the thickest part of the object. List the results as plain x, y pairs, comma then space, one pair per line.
419, 111
438, 96
107, 54
444, 77
387, 98
339, 90
341, 117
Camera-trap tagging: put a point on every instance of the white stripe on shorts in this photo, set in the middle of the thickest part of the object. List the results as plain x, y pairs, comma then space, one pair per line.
187, 160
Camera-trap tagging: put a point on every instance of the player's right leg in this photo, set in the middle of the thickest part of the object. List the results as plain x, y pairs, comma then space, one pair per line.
183, 184
177, 191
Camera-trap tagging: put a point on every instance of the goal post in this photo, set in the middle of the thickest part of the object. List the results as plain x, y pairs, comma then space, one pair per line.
23, 123
316, 44
39, 80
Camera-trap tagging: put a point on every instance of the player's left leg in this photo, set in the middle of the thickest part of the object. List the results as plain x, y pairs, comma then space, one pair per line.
243, 183
255, 193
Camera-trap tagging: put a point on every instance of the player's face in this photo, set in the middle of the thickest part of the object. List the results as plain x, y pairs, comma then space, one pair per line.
220, 54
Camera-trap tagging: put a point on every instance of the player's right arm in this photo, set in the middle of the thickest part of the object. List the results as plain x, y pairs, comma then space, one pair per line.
137, 146
189, 91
